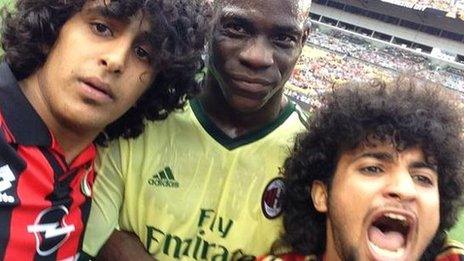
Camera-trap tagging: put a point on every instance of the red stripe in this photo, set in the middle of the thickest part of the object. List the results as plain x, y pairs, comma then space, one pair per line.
75, 217
6, 131
33, 185
450, 257
35, 182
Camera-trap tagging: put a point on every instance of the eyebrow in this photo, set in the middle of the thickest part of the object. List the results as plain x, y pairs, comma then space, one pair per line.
105, 11
292, 30
385, 156
236, 18
423, 164
236, 15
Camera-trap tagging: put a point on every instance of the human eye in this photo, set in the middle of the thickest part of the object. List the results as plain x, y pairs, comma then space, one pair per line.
285, 40
142, 54
234, 29
423, 179
101, 29
371, 170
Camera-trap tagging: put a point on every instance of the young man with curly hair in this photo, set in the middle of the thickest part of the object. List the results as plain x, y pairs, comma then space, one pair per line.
205, 183
378, 176
70, 70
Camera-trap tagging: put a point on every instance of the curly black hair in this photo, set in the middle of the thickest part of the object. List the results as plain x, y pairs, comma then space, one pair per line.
179, 31
412, 112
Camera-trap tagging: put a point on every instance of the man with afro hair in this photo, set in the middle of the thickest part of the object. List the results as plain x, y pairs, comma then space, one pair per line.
378, 176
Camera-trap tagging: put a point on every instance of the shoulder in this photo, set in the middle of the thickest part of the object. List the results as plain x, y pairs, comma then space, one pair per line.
175, 118
451, 251
296, 115
155, 138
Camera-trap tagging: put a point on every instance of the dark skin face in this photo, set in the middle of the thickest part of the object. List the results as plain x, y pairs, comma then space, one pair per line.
258, 40
253, 49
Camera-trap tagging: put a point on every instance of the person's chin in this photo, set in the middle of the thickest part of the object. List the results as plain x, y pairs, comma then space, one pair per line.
245, 104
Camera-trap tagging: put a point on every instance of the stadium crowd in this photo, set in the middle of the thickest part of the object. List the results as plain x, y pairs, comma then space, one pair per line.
333, 57
444, 5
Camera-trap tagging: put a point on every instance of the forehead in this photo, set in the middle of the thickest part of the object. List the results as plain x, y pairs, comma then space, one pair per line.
111, 10
116, 10
387, 151
277, 11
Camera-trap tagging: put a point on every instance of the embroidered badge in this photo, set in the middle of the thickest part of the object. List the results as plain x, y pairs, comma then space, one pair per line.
271, 200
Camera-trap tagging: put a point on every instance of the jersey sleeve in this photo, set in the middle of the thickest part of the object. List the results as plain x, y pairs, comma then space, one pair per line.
107, 197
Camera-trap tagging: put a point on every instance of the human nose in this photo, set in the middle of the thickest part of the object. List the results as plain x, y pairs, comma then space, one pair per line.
401, 186
258, 53
115, 56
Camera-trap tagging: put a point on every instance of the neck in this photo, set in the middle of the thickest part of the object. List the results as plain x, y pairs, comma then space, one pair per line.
72, 139
235, 123
72, 143
330, 248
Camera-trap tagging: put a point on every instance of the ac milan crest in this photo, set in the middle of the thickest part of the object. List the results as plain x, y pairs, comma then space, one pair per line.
271, 201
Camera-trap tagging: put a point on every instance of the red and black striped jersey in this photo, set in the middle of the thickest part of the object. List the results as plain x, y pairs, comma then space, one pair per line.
44, 202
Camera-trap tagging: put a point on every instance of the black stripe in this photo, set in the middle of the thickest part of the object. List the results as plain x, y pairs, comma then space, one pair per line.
169, 173
61, 191
22, 119
60, 196
9, 156
85, 211
83, 256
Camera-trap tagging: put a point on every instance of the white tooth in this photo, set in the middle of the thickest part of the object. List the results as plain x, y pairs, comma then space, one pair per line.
387, 253
395, 216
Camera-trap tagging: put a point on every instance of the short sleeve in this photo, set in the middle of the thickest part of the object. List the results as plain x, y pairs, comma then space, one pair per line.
107, 197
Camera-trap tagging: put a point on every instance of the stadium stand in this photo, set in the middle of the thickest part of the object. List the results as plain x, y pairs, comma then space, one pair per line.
448, 6
339, 49
334, 57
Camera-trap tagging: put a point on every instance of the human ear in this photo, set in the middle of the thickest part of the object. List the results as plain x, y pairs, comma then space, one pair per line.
319, 196
307, 31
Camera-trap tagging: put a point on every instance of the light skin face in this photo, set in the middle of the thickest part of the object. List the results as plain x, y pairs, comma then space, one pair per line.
255, 45
97, 68
383, 204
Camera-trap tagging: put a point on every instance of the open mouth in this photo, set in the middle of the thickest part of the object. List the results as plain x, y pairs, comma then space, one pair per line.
389, 234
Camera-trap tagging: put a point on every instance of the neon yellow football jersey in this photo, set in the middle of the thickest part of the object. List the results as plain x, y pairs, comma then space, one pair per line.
191, 192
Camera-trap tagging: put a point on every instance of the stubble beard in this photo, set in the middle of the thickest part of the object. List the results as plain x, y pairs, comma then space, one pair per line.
344, 250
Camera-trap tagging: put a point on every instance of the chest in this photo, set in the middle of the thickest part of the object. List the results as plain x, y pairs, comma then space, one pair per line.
42, 202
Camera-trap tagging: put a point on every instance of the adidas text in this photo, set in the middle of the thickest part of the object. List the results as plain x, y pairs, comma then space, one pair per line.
164, 178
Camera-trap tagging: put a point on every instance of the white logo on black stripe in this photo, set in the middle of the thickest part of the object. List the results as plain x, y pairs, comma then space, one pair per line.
6, 181
50, 229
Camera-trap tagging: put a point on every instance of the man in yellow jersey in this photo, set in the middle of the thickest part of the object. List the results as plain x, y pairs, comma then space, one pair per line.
206, 183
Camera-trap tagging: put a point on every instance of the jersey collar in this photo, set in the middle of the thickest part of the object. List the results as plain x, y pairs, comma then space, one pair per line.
232, 143
22, 120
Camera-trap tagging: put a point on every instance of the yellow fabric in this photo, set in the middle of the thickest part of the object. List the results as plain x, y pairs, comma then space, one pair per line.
185, 194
